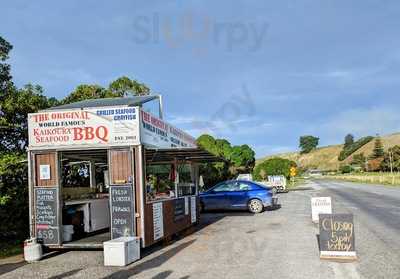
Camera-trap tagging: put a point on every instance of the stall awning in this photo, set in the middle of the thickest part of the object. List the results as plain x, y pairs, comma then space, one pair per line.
191, 154
106, 102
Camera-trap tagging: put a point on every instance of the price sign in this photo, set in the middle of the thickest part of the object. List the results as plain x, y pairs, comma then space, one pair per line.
46, 215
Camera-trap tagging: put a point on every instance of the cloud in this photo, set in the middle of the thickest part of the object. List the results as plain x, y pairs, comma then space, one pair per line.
362, 122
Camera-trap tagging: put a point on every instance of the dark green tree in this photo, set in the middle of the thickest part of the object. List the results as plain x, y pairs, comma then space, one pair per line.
308, 143
238, 159
15, 104
359, 160
378, 151
121, 87
5, 73
348, 140
125, 86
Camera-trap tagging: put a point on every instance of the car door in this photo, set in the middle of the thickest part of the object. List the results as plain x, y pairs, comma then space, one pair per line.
238, 197
217, 197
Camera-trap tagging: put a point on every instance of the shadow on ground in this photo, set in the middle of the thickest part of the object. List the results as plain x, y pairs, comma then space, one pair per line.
8, 267
151, 263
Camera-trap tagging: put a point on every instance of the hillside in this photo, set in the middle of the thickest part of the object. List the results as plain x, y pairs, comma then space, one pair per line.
326, 158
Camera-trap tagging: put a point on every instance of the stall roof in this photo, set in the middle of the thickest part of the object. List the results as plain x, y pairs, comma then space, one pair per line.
192, 154
106, 102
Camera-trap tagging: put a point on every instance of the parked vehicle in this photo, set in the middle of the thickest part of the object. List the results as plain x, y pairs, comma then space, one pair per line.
238, 194
277, 182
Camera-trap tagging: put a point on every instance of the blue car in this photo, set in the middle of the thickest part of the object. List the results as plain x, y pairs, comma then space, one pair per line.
238, 194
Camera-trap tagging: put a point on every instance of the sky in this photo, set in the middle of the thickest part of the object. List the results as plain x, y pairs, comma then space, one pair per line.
261, 73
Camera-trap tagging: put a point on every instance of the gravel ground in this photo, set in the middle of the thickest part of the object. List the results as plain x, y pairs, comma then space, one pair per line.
280, 243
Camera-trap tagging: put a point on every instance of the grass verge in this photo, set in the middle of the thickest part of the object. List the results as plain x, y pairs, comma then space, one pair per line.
368, 178
9, 249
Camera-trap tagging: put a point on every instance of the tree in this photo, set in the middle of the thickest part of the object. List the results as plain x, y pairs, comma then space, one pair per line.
124, 86
391, 158
273, 166
348, 140
238, 159
346, 169
5, 73
308, 143
121, 87
15, 104
359, 160
378, 151
14, 114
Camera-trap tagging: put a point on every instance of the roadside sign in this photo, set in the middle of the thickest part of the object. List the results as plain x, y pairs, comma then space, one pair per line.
293, 171
320, 205
336, 237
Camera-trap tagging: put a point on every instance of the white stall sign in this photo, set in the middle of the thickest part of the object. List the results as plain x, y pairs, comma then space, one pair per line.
158, 225
193, 206
320, 205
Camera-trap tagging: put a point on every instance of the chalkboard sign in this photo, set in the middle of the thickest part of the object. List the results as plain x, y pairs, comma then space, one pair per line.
179, 209
122, 211
46, 215
336, 236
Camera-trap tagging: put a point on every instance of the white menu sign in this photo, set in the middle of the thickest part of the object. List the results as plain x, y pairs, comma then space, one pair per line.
44, 172
193, 206
158, 224
186, 205
320, 205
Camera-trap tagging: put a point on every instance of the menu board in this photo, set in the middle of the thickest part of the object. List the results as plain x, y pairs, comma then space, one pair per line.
158, 221
179, 209
193, 211
46, 215
122, 211
336, 235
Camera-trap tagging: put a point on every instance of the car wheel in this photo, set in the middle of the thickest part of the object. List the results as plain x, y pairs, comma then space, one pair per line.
255, 206
274, 190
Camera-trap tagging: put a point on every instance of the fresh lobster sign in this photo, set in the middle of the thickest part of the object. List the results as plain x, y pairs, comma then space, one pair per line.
84, 127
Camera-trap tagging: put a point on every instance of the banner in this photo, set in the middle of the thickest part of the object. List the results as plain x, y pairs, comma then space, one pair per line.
157, 133
112, 126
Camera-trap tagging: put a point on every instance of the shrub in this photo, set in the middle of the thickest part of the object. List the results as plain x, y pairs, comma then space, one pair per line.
346, 169
273, 166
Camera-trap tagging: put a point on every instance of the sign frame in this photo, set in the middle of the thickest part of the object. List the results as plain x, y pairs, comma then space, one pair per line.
132, 210
339, 227
56, 210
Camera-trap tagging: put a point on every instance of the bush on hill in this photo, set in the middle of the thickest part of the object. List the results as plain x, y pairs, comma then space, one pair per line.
350, 149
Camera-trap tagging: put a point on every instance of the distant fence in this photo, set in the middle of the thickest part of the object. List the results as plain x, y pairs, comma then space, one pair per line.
369, 177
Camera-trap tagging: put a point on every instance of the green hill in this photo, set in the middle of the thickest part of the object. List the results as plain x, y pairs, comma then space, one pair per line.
326, 158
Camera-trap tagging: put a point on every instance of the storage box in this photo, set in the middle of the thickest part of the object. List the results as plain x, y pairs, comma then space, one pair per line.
121, 251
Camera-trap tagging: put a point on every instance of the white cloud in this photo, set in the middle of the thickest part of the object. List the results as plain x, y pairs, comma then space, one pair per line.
362, 122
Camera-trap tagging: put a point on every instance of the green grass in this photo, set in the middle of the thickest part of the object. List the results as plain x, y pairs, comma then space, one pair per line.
369, 178
298, 181
10, 249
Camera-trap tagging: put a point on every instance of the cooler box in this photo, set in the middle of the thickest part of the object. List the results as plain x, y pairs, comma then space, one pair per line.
121, 251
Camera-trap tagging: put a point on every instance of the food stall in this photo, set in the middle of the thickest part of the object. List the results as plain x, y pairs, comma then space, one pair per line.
105, 168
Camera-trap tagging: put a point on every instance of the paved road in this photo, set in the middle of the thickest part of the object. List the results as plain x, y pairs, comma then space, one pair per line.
274, 244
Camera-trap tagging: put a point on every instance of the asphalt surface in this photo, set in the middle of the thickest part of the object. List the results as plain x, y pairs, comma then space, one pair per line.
274, 244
